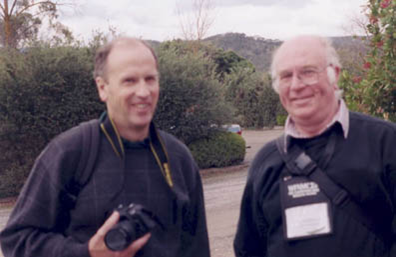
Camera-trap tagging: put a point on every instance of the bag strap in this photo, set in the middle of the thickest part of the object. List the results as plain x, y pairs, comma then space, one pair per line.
90, 146
299, 163
90, 139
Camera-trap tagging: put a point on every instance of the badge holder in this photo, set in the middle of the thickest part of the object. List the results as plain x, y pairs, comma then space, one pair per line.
306, 210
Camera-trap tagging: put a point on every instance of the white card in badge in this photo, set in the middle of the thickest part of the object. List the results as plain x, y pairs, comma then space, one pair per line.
306, 209
307, 220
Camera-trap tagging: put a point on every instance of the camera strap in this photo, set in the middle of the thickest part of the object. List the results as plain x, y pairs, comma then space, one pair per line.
298, 163
159, 151
155, 142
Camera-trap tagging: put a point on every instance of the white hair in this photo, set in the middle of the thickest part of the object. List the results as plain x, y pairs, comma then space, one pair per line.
332, 59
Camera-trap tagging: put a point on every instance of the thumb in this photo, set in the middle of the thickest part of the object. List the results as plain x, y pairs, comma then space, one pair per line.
138, 244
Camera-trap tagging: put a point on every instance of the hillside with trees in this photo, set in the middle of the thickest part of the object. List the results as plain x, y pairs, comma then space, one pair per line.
259, 50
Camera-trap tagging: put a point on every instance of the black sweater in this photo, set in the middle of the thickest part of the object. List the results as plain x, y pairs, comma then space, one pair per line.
42, 225
363, 164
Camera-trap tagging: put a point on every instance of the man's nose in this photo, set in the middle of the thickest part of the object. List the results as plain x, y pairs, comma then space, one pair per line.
142, 89
297, 83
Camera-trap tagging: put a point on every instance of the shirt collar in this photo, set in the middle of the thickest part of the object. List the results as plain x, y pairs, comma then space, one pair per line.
342, 117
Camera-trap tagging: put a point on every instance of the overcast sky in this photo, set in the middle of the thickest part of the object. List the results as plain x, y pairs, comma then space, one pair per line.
159, 19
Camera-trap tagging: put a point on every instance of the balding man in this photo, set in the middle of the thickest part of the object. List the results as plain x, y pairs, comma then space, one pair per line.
327, 186
147, 171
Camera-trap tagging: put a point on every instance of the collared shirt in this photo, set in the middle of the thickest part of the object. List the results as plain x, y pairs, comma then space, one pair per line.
342, 117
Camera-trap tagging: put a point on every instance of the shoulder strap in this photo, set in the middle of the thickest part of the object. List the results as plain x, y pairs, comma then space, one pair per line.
89, 151
299, 163
90, 138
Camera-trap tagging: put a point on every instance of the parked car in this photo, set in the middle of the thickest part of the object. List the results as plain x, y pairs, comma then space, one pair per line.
234, 128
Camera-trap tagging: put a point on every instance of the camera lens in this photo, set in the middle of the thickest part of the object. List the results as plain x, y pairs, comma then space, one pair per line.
119, 237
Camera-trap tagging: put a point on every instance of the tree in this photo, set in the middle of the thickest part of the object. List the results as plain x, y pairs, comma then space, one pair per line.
372, 89
191, 99
196, 26
21, 19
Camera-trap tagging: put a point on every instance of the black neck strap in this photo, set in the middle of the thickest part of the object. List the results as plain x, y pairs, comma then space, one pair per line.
298, 163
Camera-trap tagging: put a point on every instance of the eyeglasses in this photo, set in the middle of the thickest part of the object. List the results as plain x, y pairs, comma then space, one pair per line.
308, 76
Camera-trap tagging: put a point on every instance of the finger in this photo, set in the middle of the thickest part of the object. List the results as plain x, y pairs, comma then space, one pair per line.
109, 223
138, 244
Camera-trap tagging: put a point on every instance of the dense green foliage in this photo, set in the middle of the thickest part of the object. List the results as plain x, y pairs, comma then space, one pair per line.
46, 89
371, 89
218, 150
43, 91
191, 96
256, 103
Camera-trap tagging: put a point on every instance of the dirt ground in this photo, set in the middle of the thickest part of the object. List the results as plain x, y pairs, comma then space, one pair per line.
223, 190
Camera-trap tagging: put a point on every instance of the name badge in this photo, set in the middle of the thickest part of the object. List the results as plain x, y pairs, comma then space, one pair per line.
306, 210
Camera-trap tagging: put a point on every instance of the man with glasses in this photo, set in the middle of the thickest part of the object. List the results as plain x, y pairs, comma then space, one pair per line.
327, 186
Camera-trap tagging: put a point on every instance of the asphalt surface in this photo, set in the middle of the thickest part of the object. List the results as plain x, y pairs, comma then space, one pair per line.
223, 190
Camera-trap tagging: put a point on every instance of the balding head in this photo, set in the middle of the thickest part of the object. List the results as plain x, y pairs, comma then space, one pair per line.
304, 43
101, 56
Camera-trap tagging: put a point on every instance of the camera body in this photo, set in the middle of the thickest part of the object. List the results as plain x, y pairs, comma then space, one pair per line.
135, 221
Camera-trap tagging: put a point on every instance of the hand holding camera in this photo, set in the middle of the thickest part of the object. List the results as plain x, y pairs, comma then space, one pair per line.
124, 232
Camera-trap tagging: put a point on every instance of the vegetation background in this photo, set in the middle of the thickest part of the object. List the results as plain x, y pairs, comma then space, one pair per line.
46, 86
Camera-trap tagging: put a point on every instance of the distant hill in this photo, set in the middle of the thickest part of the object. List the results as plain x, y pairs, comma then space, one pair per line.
256, 49
259, 50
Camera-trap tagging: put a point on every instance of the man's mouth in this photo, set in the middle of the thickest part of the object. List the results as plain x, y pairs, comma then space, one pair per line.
142, 106
301, 100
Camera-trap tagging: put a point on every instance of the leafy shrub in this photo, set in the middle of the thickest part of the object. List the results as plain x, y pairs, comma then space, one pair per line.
255, 101
281, 119
372, 89
191, 97
219, 150
43, 91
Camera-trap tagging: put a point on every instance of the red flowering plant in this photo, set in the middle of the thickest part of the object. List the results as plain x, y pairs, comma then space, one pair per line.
372, 88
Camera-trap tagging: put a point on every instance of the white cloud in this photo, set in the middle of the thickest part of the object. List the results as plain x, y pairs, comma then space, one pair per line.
158, 20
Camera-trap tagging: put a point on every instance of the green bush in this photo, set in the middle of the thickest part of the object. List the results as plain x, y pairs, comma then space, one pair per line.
43, 92
219, 150
191, 97
281, 119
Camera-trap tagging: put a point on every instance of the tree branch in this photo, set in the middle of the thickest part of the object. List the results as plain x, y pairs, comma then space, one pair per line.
13, 6
2, 7
31, 5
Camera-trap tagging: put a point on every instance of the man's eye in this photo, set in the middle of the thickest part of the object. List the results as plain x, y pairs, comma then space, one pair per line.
308, 73
130, 80
150, 79
285, 77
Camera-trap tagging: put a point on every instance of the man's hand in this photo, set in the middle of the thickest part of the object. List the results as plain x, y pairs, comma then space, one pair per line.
97, 247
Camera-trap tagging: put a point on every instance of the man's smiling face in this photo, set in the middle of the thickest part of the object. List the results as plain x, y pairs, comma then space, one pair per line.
309, 103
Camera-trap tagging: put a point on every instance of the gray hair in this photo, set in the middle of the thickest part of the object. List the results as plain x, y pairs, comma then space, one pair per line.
331, 59
103, 52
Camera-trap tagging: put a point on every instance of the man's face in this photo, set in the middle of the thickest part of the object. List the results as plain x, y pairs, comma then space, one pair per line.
308, 104
131, 90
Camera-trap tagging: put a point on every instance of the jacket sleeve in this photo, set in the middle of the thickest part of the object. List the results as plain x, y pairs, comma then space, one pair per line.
194, 237
248, 240
40, 217
389, 181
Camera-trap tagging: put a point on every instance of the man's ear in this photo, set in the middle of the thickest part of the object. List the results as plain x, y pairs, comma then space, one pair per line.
102, 88
333, 74
337, 74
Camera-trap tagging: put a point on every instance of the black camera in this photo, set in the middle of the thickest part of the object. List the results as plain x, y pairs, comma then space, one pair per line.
135, 221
